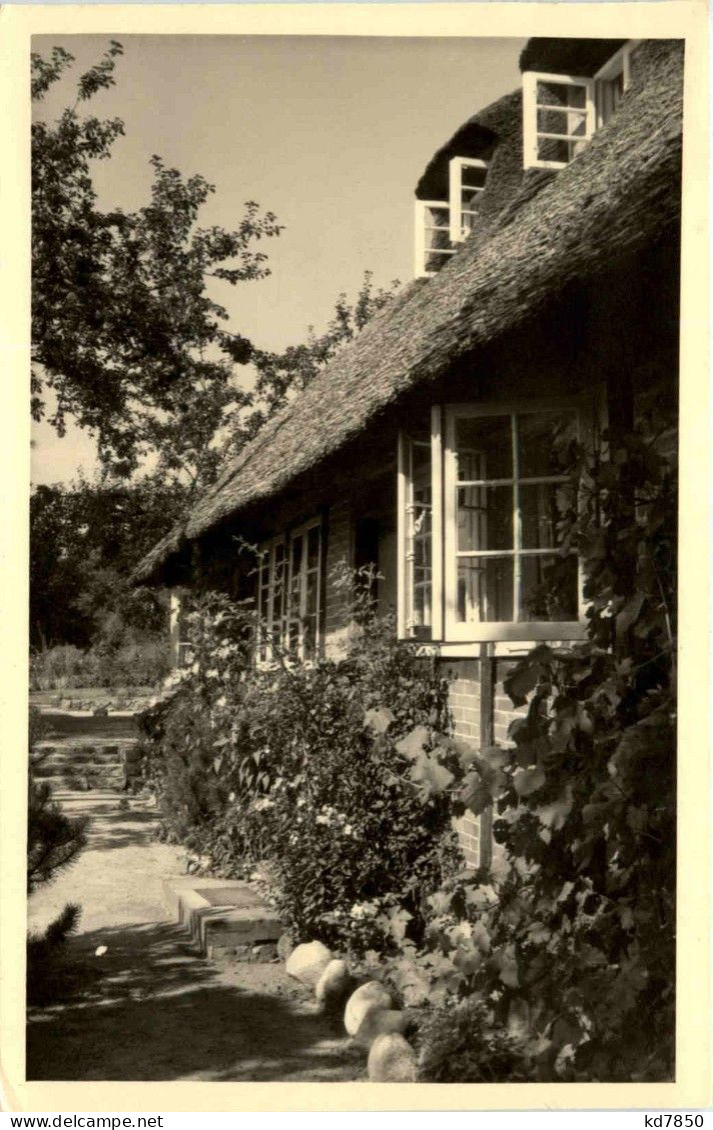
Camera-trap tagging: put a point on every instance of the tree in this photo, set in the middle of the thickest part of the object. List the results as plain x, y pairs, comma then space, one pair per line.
124, 332
282, 376
84, 540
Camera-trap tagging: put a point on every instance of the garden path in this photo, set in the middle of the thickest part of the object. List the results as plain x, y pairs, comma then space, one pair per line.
150, 1007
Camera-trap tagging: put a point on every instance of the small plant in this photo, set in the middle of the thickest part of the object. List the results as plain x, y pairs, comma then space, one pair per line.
468, 1044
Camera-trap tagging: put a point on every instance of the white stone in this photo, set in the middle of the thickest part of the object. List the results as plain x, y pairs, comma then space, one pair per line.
307, 962
334, 983
392, 1060
379, 1022
368, 996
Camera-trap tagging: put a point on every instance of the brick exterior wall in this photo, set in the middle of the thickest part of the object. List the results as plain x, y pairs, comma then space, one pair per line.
465, 704
466, 710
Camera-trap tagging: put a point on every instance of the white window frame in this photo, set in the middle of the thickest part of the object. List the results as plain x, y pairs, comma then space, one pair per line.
530, 107
420, 248
448, 636
180, 647
618, 66
267, 624
456, 166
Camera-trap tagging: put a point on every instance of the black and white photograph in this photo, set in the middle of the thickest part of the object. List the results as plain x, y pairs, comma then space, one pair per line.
353, 557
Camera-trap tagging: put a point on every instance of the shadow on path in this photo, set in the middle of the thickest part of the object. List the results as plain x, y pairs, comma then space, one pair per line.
152, 1009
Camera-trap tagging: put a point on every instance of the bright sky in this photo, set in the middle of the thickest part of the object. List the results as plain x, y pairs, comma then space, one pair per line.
329, 133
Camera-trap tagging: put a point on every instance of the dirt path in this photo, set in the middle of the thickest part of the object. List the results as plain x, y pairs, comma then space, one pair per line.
151, 1008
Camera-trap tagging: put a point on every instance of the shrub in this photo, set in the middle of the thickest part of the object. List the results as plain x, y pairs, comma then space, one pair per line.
129, 663
468, 1044
299, 767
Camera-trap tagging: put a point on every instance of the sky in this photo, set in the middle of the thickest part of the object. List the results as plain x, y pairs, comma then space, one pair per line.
330, 133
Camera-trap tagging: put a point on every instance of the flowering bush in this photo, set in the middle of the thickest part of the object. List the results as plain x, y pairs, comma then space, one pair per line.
298, 768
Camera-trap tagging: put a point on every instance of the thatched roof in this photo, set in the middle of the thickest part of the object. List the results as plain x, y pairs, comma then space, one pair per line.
619, 195
582, 57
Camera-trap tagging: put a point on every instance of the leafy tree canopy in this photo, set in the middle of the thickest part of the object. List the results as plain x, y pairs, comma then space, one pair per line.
124, 331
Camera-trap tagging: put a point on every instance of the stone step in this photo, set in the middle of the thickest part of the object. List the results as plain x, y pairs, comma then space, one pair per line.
225, 917
72, 757
110, 768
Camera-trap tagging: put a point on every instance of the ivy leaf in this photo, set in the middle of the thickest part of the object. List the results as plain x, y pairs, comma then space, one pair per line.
519, 1018
526, 675
398, 921
629, 613
507, 965
476, 794
439, 902
379, 719
555, 815
412, 745
433, 777
529, 781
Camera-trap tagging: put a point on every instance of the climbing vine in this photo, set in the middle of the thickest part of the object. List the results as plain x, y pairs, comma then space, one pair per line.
551, 959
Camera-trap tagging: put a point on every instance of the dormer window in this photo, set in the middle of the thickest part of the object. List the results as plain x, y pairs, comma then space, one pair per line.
433, 237
558, 118
442, 224
610, 83
561, 113
466, 177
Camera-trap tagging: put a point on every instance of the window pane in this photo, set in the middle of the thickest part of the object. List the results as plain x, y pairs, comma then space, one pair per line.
484, 447
570, 123
484, 589
418, 548
549, 588
561, 94
543, 440
485, 517
539, 515
549, 149
473, 176
313, 548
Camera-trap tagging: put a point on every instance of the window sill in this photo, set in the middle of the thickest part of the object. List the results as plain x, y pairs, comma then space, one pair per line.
497, 648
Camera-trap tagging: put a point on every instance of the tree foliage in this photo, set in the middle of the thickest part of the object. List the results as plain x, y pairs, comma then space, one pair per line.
84, 540
124, 331
283, 375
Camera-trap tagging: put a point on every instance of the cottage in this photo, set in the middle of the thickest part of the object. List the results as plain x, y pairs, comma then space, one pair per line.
544, 308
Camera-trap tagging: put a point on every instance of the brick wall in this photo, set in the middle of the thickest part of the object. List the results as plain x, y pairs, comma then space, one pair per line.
465, 704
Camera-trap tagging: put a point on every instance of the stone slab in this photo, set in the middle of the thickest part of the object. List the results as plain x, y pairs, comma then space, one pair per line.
245, 920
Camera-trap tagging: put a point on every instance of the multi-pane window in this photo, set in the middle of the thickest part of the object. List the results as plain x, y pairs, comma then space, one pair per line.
562, 112
181, 647
487, 563
415, 466
558, 118
289, 594
433, 244
467, 176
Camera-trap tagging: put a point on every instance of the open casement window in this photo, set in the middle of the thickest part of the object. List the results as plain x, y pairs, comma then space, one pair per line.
416, 535
433, 245
467, 176
558, 118
181, 648
610, 83
480, 557
289, 594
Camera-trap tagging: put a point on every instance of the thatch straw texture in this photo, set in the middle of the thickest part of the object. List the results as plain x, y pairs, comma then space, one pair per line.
618, 196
